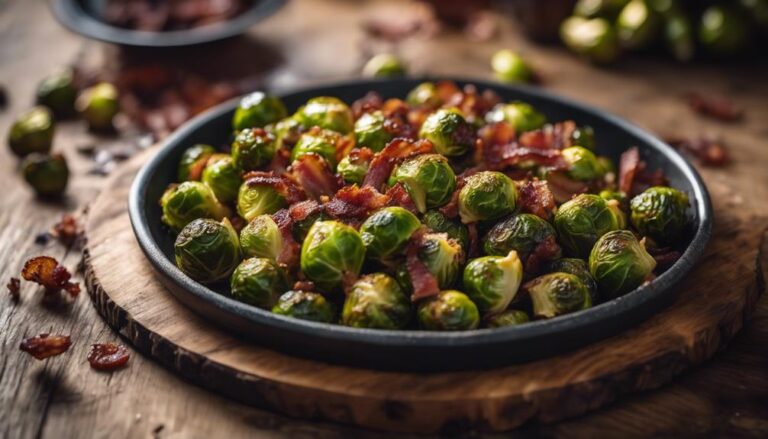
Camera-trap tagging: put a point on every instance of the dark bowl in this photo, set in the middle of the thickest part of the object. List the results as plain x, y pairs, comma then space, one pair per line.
420, 350
83, 17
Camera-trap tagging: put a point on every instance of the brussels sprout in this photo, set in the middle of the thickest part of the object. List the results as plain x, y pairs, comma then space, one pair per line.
607, 164
578, 268
58, 93
322, 143
206, 250
47, 174
521, 232
619, 263
261, 238
609, 195
723, 30
487, 195
259, 282
255, 199
193, 161
510, 67
583, 219
221, 175
330, 251
582, 164
511, 317
305, 305
326, 112
98, 106
679, 36
439, 223
450, 134
428, 179
370, 131
758, 10
384, 65
353, 169
287, 132
253, 149
659, 212
442, 256
521, 116
583, 136
32, 132
637, 25
424, 94
387, 231
376, 301
599, 8
258, 110
451, 310
301, 227
555, 294
492, 281
592, 38
188, 201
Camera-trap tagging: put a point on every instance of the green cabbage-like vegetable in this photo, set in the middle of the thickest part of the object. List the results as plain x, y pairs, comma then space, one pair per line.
257, 110
437, 222
353, 169
384, 65
376, 301
522, 116
512, 317
261, 238
487, 195
58, 92
47, 174
305, 305
509, 66
491, 282
193, 161
451, 310
98, 106
326, 112
583, 219
521, 232
578, 268
448, 131
206, 250
592, 38
221, 175
370, 131
331, 251
555, 294
188, 201
387, 231
322, 143
32, 132
428, 179
256, 199
253, 149
619, 263
259, 282
423, 95
660, 213
583, 164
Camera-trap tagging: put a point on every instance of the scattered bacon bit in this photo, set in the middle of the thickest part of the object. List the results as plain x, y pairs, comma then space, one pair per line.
396, 119
546, 250
501, 156
628, 166
384, 161
313, 174
46, 271
473, 105
289, 253
304, 285
284, 186
108, 356
45, 345
67, 231
551, 136
564, 188
535, 197
154, 16
717, 107
446, 89
398, 196
474, 240
353, 204
451, 209
14, 289
709, 152
367, 104
665, 258
499, 149
280, 161
424, 283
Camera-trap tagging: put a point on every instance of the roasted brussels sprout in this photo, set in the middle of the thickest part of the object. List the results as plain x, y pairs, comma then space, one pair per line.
424, 94
305, 305
583, 136
522, 233
58, 92
286, 132
206, 250
370, 131
599, 8
659, 213
583, 219
679, 36
47, 174
593, 38
255, 199
510, 67
555, 294
439, 223
387, 231
98, 106
511, 317
428, 179
487, 195
261, 238
637, 25
259, 282
189, 201
221, 175
723, 30
326, 112
443, 258
582, 164
193, 161
257, 110
450, 134
376, 301
609, 195
32, 132
619, 263
330, 251
521, 116
384, 65
578, 268
451, 310
322, 143
301, 227
253, 149
352, 169
492, 281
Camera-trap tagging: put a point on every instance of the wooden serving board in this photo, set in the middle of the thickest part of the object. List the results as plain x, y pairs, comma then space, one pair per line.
713, 305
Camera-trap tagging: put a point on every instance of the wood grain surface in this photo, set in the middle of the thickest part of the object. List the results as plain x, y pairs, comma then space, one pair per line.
63, 397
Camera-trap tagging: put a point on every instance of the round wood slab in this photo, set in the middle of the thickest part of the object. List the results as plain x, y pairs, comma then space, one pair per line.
712, 306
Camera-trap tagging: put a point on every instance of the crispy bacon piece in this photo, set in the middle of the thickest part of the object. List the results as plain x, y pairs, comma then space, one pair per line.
14, 289
717, 107
384, 161
367, 104
471, 103
304, 285
709, 152
353, 204
499, 150
282, 184
554, 136
564, 188
46, 271
547, 250
424, 283
629, 164
67, 231
398, 196
45, 345
451, 209
280, 161
397, 119
108, 356
313, 174
665, 258
289, 253
535, 197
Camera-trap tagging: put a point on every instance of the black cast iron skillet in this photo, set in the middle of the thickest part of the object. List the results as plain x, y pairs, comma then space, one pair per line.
410, 349
83, 17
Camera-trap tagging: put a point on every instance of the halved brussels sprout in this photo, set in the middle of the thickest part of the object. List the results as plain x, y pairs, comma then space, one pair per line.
583, 219
428, 179
424, 94
510, 67
47, 174
352, 169
98, 106
259, 282
593, 38
330, 251
221, 175
520, 232
387, 231
255, 199
439, 223
512, 317
582, 164
370, 131
521, 116
58, 92
659, 212
257, 110
305, 305
619, 263
206, 250
451, 310
189, 201
442, 256
32, 132
578, 268
253, 149
261, 238
384, 65
322, 143
487, 195
376, 301
193, 161
326, 112
555, 294
637, 25
451, 135
491, 282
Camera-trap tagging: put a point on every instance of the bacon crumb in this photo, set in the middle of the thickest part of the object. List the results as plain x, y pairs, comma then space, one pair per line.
708, 151
14, 289
717, 107
304, 285
45, 345
424, 283
384, 161
628, 166
67, 231
108, 356
46, 271
536, 198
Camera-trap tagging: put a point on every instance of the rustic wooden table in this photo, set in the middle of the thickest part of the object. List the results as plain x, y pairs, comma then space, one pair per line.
309, 41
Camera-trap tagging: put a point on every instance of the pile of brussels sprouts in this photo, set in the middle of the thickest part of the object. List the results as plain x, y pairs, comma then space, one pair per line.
494, 263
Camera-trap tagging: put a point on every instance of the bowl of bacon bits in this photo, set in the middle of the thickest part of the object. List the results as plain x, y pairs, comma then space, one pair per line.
401, 224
